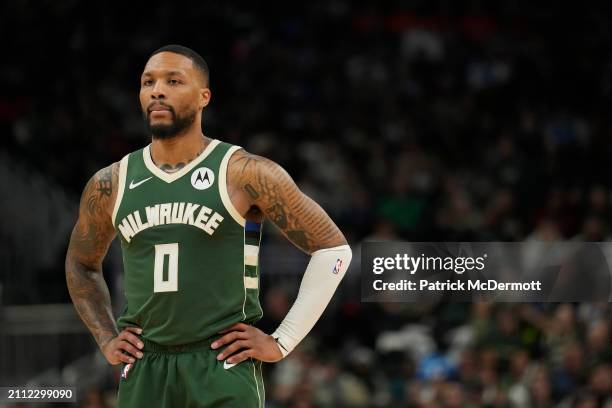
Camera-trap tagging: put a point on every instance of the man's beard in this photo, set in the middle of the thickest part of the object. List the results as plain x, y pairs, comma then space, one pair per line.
167, 131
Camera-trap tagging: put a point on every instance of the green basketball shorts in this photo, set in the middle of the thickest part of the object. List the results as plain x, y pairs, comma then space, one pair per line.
189, 376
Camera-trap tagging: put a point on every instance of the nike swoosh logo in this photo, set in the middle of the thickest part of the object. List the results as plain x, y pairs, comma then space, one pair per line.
134, 185
227, 365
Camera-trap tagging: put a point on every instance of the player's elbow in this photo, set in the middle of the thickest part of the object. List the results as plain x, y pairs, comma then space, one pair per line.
337, 239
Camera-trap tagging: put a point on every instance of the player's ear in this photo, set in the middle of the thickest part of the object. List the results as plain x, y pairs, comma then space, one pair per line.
204, 97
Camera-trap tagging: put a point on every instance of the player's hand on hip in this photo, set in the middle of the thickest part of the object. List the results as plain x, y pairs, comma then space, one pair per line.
125, 347
244, 341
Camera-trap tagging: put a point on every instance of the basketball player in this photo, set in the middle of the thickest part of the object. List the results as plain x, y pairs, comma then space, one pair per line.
188, 211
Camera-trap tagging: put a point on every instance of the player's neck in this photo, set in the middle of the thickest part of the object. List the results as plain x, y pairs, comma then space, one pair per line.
178, 150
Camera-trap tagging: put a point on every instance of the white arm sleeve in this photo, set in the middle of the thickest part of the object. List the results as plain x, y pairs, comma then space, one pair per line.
321, 278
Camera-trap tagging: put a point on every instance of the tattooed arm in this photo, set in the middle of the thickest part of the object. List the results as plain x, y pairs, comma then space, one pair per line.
257, 187
89, 242
267, 188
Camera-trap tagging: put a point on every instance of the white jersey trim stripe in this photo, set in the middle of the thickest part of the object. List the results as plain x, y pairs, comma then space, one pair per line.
251, 255
256, 383
123, 165
243, 276
170, 177
251, 282
225, 198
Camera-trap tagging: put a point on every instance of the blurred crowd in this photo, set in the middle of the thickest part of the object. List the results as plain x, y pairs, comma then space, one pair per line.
444, 121
468, 355
418, 120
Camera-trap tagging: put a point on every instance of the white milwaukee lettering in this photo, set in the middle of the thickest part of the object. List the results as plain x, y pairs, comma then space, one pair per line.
200, 222
153, 215
139, 223
189, 212
213, 223
177, 212
170, 213
164, 213
126, 230
133, 223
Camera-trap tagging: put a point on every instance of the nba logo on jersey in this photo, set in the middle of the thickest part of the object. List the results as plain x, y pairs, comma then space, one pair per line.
202, 178
126, 369
337, 267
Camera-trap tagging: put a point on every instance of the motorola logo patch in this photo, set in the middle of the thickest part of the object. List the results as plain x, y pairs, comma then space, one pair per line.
202, 178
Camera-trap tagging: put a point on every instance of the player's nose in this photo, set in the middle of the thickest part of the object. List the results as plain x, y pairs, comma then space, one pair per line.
158, 91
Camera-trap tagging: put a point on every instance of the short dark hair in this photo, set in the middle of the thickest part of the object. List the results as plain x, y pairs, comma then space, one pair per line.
196, 58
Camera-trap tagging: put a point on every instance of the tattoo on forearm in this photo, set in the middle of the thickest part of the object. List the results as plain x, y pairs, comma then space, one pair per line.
302, 220
89, 242
91, 299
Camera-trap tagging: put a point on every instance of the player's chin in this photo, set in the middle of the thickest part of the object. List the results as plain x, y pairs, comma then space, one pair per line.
162, 125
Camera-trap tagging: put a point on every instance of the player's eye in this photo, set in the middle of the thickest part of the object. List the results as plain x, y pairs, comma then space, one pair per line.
174, 82
147, 82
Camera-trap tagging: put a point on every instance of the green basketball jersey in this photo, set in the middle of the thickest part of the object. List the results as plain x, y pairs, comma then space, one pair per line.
190, 260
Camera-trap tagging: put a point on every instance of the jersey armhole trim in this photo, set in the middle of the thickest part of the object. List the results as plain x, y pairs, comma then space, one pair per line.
225, 198
123, 164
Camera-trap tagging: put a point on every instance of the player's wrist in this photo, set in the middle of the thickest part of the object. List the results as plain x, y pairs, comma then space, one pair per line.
284, 350
274, 352
105, 340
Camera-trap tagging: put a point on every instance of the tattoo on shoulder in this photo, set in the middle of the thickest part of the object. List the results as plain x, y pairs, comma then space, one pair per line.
99, 189
251, 191
94, 231
273, 191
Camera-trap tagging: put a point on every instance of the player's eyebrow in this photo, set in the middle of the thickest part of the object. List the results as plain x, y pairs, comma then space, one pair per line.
163, 72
